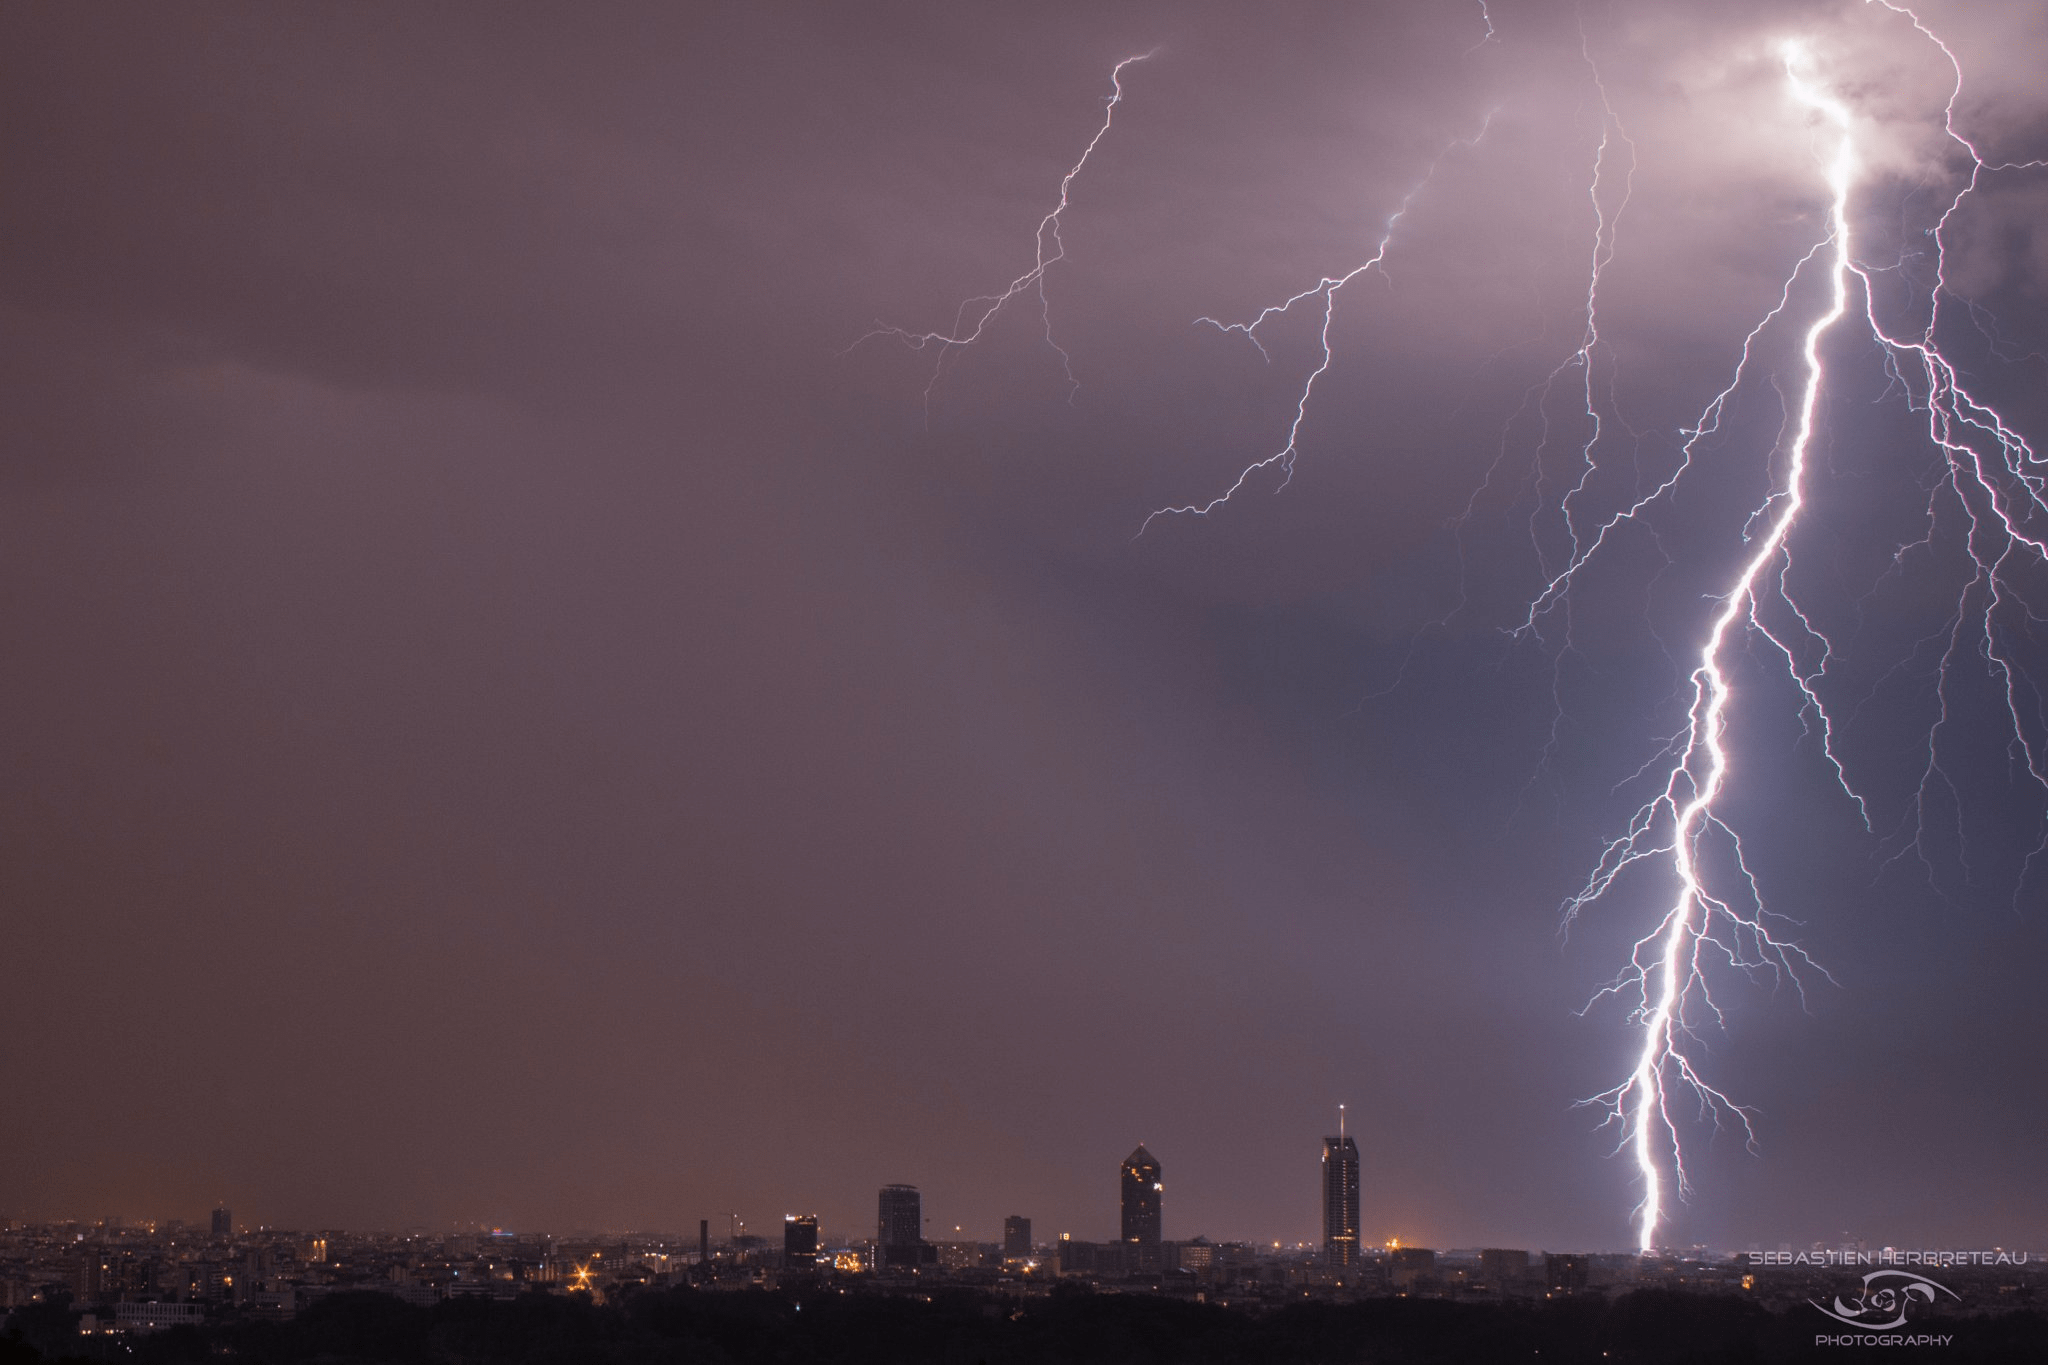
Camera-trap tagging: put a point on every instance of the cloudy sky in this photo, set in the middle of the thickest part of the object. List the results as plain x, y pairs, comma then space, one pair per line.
517, 713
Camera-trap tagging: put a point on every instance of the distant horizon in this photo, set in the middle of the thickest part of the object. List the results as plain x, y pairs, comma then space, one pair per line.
687, 1238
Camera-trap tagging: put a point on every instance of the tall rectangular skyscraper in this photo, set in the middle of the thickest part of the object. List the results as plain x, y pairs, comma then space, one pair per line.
800, 1242
1340, 1197
899, 1226
1142, 1189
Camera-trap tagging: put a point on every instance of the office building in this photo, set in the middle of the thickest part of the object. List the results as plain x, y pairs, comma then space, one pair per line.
223, 1223
1565, 1274
899, 1226
800, 1241
957, 1255
1016, 1236
1503, 1270
1412, 1268
1340, 1197
1141, 1221
1097, 1260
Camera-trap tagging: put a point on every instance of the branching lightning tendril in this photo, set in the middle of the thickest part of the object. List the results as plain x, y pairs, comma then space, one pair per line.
975, 315
1327, 290
1666, 971
1999, 492
1992, 486
1717, 917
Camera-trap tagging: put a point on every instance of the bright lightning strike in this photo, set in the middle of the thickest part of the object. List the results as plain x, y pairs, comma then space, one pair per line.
1991, 498
1994, 482
1992, 479
975, 315
1667, 973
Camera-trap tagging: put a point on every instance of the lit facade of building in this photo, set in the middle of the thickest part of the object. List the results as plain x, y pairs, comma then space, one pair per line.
1340, 1200
1142, 1189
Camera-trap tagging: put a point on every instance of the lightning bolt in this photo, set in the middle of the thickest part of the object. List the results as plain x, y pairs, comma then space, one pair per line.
1666, 969
1998, 492
1717, 919
1485, 17
974, 316
1327, 290
1992, 479
1990, 497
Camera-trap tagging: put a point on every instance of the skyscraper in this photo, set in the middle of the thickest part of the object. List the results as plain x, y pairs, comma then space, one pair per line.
800, 1242
899, 1226
223, 1223
1340, 1197
1016, 1236
1141, 1191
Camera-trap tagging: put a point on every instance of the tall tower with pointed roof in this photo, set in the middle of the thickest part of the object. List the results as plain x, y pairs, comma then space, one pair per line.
1141, 1191
1340, 1196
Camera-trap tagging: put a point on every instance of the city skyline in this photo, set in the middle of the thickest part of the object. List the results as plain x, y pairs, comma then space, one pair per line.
104, 1292
549, 693
904, 1238
901, 1221
901, 1224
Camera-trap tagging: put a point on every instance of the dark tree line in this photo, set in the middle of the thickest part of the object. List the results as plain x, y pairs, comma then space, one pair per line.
969, 1327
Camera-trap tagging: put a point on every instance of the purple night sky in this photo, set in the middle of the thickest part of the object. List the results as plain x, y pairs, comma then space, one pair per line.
517, 715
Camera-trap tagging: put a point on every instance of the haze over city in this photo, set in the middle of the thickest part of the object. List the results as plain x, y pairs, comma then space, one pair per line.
528, 714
